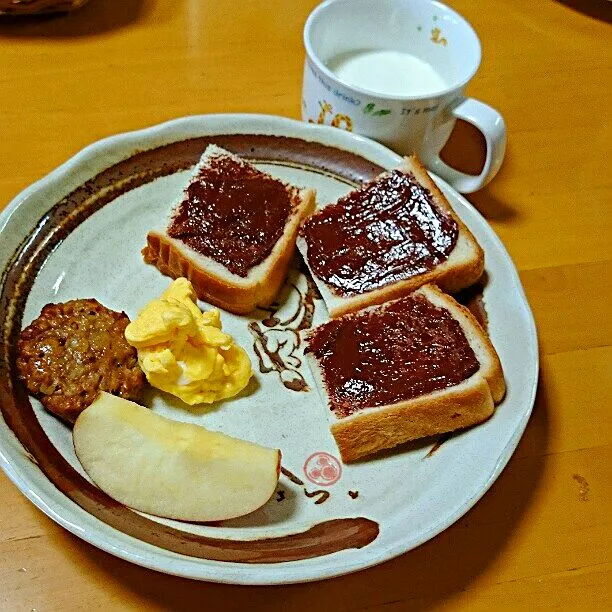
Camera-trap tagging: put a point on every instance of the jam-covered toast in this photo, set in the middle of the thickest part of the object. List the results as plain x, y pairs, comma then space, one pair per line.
231, 233
410, 368
387, 238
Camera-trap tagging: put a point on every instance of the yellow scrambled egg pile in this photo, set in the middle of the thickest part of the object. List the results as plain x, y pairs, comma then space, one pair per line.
183, 351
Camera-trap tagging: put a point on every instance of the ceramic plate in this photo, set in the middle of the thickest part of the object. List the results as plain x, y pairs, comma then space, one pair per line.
78, 233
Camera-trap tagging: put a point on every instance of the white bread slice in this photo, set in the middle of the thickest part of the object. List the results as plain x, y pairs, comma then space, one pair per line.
470, 402
463, 267
212, 281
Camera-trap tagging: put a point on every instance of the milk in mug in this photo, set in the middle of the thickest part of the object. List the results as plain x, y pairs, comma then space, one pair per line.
392, 73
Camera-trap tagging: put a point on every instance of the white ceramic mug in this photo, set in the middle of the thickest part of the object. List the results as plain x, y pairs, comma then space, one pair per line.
420, 124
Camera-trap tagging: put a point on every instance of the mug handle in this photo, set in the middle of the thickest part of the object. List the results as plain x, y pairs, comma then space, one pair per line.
493, 128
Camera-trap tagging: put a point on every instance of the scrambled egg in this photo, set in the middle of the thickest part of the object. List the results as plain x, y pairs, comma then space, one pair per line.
183, 350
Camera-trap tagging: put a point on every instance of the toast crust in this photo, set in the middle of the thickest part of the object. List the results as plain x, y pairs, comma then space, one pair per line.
471, 402
454, 274
235, 294
424, 416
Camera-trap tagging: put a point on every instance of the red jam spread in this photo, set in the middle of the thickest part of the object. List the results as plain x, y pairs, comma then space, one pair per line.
397, 352
385, 232
232, 213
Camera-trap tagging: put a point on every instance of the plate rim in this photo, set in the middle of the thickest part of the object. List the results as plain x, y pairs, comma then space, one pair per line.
187, 127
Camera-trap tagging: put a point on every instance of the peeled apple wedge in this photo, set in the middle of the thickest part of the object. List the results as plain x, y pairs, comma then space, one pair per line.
171, 469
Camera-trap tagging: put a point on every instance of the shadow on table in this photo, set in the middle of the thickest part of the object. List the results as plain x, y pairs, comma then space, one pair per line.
96, 17
598, 9
439, 570
491, 207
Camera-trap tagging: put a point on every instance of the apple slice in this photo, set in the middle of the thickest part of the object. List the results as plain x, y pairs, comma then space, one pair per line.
171, 469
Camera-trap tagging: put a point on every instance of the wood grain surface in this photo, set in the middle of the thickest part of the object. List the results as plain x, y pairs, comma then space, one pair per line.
541, 537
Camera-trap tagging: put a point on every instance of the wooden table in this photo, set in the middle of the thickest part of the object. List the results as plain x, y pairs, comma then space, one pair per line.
541, 537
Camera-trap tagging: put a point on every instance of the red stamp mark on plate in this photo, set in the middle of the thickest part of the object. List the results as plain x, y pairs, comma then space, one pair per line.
323, 469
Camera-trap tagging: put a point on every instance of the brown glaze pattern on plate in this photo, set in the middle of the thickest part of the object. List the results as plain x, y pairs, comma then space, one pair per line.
19, 276
277, 340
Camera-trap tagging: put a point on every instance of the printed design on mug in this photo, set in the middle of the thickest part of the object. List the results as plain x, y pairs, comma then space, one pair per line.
436, 38
339, 120
323, 469
368, 109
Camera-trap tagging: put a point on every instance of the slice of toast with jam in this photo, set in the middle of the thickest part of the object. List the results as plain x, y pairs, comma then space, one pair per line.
410, 368
387, 238
232, 232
